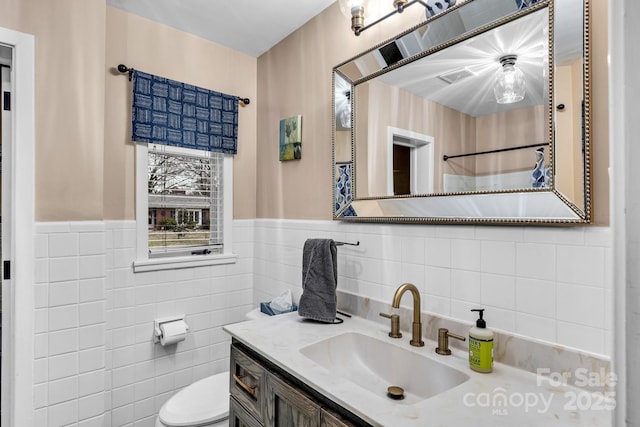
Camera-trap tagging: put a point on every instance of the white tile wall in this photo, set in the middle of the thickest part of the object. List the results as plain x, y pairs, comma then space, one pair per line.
95, 362
143, 374
67, 379
551, 284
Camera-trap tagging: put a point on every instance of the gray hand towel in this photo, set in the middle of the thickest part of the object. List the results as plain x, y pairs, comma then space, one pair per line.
319, 280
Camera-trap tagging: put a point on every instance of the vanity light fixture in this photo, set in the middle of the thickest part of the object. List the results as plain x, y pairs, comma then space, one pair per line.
356, 9
510, 84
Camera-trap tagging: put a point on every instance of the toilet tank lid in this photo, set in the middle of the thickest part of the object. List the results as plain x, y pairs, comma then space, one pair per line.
205, 401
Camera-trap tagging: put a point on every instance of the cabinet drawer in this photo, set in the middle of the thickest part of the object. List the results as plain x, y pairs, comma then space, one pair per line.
247, 382
287, 406
239, 417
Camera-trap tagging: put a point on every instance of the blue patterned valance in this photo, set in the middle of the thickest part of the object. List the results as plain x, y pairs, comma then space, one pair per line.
173, 113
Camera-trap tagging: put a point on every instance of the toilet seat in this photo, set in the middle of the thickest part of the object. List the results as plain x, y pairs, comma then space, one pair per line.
203, 402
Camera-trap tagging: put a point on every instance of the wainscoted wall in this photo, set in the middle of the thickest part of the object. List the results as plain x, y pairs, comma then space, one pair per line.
95, 362
70, 371
551, 284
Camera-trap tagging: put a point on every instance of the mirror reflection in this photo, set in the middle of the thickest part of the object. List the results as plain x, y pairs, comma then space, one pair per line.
463, 105
440, 127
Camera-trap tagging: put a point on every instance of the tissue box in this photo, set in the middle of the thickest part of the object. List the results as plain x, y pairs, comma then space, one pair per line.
265, 308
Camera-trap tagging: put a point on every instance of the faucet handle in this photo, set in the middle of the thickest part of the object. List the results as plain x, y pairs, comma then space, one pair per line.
443, 341
395, 325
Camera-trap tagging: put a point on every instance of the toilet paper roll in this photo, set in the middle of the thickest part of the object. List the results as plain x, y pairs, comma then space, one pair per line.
173, 332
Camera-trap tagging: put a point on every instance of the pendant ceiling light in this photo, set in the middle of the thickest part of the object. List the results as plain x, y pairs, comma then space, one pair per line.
510, 84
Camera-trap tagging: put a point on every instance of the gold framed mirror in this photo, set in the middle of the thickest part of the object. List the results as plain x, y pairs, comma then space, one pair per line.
480, 114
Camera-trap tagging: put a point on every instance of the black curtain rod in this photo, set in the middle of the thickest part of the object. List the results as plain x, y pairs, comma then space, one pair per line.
500, 150
124, 69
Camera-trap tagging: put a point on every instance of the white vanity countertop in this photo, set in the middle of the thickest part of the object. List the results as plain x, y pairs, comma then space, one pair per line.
527, 399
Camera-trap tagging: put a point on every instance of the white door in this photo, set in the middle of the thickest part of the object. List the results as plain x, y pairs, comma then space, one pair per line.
18, 221
5, 230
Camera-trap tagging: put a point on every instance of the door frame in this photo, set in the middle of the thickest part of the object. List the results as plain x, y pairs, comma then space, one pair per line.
422, 159
17, 363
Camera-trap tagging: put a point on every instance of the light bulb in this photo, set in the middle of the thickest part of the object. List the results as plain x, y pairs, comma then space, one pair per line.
347, 5
354, 10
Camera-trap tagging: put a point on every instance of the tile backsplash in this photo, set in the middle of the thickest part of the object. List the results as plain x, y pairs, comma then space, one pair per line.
95, 363
518, 351
549, 284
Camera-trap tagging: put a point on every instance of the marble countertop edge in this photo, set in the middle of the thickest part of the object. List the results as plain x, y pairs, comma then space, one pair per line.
508, 396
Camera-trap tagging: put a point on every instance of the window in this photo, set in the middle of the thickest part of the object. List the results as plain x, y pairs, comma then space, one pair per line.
183, 188
185, 196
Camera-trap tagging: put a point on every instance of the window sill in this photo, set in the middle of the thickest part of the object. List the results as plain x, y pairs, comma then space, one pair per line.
173, 263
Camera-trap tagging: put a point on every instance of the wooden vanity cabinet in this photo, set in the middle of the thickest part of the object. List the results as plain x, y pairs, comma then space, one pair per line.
239, 417
247, 382
329, 418
289, 407
269, 397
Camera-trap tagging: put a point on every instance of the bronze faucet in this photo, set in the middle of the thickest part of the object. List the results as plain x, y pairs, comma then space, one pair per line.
416, 336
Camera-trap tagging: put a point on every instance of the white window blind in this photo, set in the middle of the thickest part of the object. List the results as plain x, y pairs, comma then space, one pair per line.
185, 201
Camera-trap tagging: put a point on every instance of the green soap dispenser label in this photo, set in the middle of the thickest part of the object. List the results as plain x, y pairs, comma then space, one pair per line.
481, 354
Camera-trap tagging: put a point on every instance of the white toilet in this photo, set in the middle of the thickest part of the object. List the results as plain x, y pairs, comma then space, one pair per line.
204, 403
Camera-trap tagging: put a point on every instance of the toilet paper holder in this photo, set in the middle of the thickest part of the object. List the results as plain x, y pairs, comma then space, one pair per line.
158, 323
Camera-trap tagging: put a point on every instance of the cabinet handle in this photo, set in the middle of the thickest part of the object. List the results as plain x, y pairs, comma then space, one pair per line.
248, 389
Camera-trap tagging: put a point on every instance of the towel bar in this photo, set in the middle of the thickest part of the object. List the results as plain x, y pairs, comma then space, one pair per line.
347, 243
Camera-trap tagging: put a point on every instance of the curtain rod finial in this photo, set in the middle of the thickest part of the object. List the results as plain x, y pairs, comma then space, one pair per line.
124, 69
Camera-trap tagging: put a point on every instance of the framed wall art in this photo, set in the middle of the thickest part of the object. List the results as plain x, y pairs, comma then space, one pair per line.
291, 138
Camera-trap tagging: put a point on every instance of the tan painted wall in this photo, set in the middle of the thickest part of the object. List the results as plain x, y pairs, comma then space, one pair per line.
84, 168
453, 133
600, 111
361, 133
564, 129
569, 128
578, 158
523, 126
295, 78
70, 69
458, 131
162, 50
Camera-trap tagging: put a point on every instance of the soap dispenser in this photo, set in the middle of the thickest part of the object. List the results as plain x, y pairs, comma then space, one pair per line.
481, 345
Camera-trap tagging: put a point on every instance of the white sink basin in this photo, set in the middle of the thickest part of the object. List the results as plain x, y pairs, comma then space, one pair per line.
375, 365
